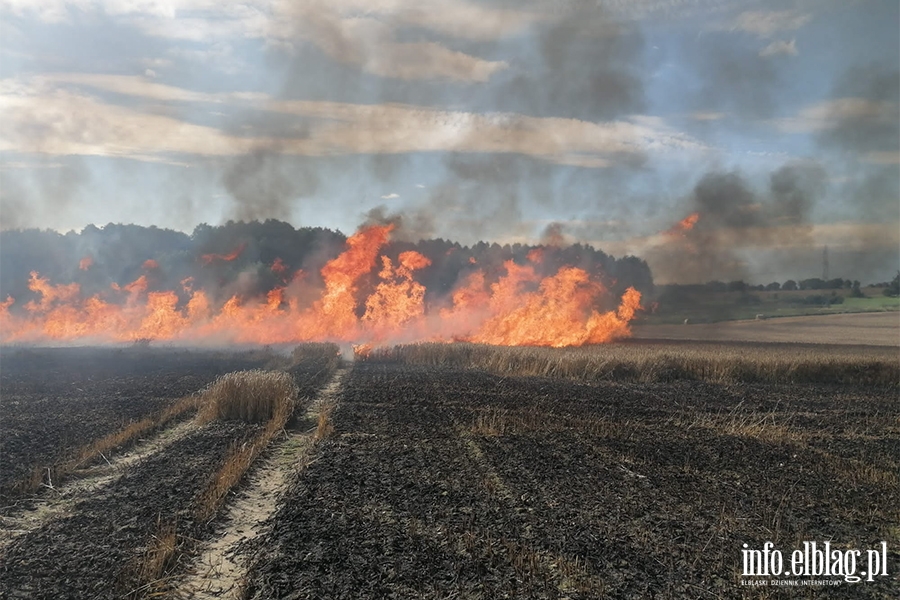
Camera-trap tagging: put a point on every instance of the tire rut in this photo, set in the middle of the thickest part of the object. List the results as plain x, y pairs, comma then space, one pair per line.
85, 483
220, 569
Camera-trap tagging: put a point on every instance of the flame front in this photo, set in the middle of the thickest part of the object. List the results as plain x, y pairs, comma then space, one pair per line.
520, 307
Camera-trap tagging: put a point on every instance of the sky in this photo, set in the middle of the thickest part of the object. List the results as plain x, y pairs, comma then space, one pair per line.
603, 122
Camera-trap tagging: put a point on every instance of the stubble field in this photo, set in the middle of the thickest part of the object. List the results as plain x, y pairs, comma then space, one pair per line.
870, 329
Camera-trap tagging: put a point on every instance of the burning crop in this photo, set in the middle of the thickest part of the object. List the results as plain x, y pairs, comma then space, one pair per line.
366, 294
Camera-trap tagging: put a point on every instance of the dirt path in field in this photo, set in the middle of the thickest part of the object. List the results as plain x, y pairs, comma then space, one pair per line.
85, 483
219, 570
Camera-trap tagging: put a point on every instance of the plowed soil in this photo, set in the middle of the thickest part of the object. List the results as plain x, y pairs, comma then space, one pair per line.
457, 484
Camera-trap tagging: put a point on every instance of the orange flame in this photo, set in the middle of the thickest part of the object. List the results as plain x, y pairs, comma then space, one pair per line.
520, 308
684, 225
278, 267
85, 263
150, 264
207, 259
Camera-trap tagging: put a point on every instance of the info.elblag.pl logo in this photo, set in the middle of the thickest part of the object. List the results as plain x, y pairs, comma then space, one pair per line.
815, 564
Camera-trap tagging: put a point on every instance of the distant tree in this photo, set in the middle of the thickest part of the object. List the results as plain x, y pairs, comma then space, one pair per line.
789, 286
737, 286
814, 283
855, 292
716, 286
773, 287
817, 283
822, 300
893, 288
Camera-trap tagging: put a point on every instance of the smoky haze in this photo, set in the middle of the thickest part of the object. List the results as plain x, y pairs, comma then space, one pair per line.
733, 217
530, 122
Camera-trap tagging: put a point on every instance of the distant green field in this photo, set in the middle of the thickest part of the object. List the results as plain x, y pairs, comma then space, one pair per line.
875, 303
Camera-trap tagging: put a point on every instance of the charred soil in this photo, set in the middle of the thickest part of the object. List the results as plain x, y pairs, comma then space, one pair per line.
136, 535
56, 400
441, 483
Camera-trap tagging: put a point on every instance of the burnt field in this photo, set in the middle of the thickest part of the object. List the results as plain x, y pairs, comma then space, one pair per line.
447, 471
56, 401
444, 483
128, 532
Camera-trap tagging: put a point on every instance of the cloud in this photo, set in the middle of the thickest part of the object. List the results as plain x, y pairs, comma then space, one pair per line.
55, 121
707, 116
371, 45
138, 87
465, 19
779, 48
352, 32
30, 164
767, 23
49, 117
390, 196
882, 157
830, 114
392, 128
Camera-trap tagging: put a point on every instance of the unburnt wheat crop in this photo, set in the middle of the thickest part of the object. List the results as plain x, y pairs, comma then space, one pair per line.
254, 396
719, 363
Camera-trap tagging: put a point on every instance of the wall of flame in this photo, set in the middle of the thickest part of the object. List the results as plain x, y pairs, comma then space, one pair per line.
522, 307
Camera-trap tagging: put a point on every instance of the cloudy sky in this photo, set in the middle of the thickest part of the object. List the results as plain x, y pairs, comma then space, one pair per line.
473, 119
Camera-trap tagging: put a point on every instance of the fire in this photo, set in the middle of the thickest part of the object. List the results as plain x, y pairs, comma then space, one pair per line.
364, 297
684, 225
207, 259
85, 263
398, 299
278, 267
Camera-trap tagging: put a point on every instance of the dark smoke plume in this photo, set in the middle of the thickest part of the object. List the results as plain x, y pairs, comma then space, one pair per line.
863, 125
266, 184
734, 218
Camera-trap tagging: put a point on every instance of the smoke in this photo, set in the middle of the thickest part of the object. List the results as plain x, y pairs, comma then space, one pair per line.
408, 227
553, 235
868, 121
43, 186
794, 189
589, 68
266, 184
735, 219
863, 125
572, 60
735, 78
